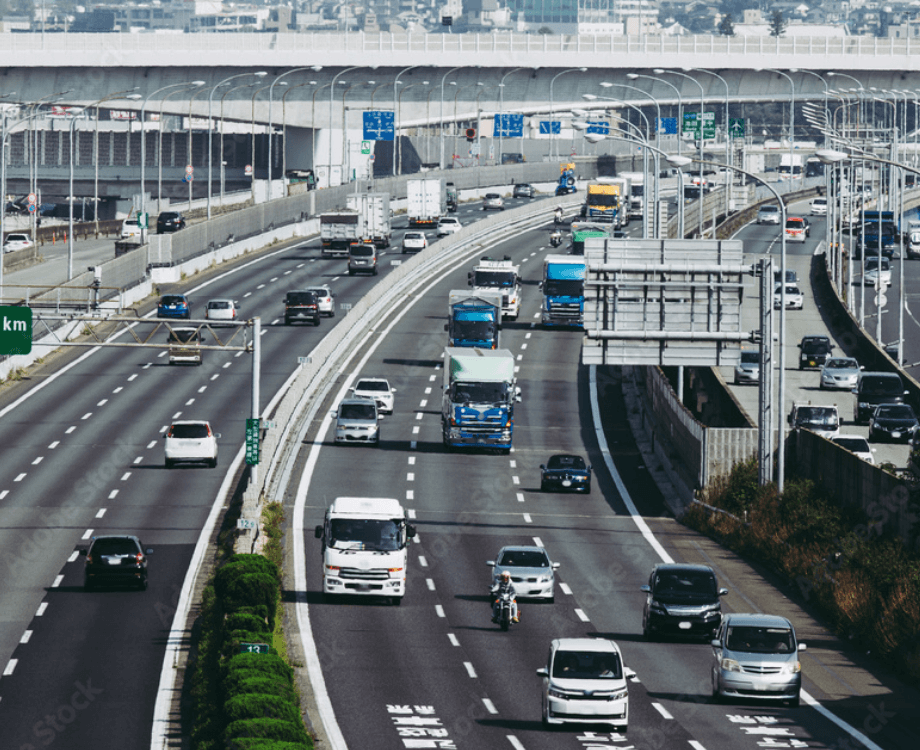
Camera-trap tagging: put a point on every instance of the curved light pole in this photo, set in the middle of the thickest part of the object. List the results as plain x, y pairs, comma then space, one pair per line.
252, 140
479, 121
33, 151
197, 84
345, 155
221, 120
396, 114
679, 161
331, 104
191, 102
661, 71
728, 148
398, 145
258, 74
271, 91
552, 134
680, 105
501, 106
73, 111
444, 78
313, 129
456, 118
861, 88
284, 123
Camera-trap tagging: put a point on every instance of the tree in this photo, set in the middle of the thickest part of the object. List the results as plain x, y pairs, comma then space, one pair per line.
727, 25
777, 23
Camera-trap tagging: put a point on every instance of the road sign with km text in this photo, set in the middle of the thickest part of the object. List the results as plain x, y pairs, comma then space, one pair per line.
15, 330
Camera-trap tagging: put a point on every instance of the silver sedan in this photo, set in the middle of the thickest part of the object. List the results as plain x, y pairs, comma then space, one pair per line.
532, 572
840, 372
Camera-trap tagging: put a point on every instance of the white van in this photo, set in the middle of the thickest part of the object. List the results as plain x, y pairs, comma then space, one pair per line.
365, 543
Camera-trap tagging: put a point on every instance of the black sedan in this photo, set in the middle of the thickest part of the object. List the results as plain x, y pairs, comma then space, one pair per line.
119, 560
565, 472
895, 422
170, 221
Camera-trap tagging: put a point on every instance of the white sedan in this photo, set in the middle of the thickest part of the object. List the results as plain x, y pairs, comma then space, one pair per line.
191, 442
221, 309
376, 389
414, 242
448, 225
325, 299
795, 300
16, 241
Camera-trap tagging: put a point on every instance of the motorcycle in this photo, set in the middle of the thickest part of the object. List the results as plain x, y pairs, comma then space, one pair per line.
555, 239
505, 610
557, 217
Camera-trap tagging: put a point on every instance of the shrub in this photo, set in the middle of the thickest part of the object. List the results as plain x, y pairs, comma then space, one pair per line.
258, 705
270, 729
243, 682
248, 581
257, 743
246, 621
259, 664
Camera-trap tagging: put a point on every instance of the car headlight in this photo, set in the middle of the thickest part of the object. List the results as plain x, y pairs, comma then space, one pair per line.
730, 665
863, 405
555, 693
620, 695
543, 579
657, 608
793, 668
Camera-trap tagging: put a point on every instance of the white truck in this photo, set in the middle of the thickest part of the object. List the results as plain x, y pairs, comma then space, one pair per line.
364, 547
791, 164
375, 208
427, 202
338, 229
636, 193
504, 276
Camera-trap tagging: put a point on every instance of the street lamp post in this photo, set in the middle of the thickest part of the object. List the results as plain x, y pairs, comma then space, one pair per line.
220, 150
271, 91
501, 107
284, 124
191, 102
73, 111
728, 149
345, 154
196, 84
258, 74
834, 73
781, 450
441, 116
680, 105
456, 117
552, 132
396, 114
331, 104
252, 140
398, 144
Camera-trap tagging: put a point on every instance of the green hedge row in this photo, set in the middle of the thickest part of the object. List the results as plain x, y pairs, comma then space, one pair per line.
243, 701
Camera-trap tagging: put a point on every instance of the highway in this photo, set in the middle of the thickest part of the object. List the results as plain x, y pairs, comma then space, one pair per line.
83, 455
436, 667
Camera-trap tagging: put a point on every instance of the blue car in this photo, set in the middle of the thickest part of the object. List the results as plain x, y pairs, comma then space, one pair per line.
174, 306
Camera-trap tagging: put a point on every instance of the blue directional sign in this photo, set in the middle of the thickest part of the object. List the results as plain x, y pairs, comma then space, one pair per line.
548, 127
508, 126
601, 128
666, 125
379, 125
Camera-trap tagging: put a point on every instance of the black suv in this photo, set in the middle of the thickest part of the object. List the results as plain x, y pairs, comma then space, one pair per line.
814, 351
301, 306
121, 560
876, 388
682, 599
170, 221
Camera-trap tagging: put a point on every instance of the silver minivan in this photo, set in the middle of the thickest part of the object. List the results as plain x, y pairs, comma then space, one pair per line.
357, 420
756, 656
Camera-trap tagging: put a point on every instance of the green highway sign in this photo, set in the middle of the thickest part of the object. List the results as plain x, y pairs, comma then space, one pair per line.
252, 442
15, 330
736, 127
253, 648
365, 147
691, 125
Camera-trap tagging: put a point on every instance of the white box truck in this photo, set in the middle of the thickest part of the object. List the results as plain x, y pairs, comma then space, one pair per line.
375, 208
365, 542
427, 202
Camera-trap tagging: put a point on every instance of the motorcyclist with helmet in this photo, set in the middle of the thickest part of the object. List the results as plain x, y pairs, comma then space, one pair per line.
557, 216
503, 586
555, 239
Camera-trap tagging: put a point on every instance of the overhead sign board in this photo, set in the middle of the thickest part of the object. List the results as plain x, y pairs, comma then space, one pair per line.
692, 124
379, 125
548, 127
508, 126
252, 442
666, 125
736, 127
601, 128
15, 330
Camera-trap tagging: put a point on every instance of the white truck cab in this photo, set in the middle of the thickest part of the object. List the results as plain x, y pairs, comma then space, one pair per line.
503, 276
365, 543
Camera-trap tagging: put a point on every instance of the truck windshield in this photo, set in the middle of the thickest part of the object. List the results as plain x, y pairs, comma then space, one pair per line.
494, 279
605, 200
564, 288
365, 534
478, 330
478, 393
637, 190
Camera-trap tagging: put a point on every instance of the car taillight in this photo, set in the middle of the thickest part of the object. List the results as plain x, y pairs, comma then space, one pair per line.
139, 557
89, 559
210, 434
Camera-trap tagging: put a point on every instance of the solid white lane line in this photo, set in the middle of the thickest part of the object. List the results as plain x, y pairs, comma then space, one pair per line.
662, 710
581, 615
124, 477
41, 609
20, 477
100, 513
422, 561
113, 494
490, 707
527, 518
520, 497
57, 581
565, 589
453, 640
469, 669
439, 610
26, 636
537, 542
87, 534
430, 583
37, 461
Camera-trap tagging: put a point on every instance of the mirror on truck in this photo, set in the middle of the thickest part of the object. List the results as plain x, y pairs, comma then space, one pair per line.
410, 531
469, 279
318, 532
517, 394
445, 327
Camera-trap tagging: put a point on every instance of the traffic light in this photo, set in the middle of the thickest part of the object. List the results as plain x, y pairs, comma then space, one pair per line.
471, 134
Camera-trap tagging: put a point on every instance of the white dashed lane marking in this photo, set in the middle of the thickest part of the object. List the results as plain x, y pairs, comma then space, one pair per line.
100, 513
565, 589
439, 610
527, 518
103, 402
582, 616
490, 707
20, 477
87, 415
421, 560
69, 430
138, 459
54, 445
10, 666
4, 494
73, 556
662, 710
453, 639
37, 461
26, 636
125, 476
57, 581
118, 390
41, 609
430, 583
132, 377
520, 497
469, 669
87, 534
151, 444
113, 494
